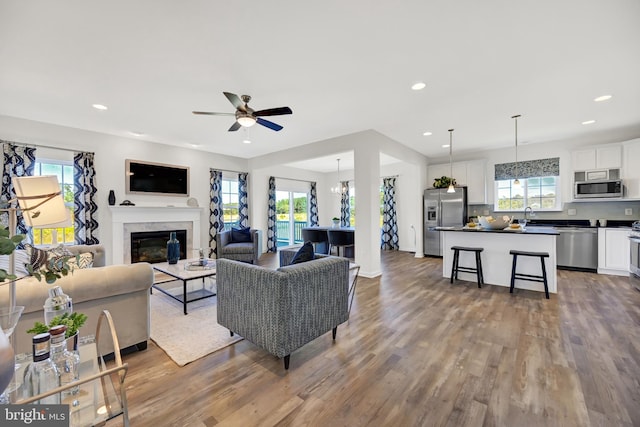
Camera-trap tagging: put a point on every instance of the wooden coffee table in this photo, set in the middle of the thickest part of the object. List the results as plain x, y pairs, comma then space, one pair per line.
180, 271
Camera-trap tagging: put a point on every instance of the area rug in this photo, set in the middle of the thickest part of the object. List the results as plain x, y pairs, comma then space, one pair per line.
187, 338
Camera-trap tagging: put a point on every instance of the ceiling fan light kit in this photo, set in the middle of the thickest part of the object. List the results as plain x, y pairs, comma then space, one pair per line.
247, 116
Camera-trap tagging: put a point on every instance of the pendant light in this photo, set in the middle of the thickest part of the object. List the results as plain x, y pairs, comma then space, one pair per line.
339, 188
517, 181
451, 188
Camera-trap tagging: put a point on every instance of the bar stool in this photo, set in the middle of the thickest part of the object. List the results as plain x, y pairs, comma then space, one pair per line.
341, 239
529, 277
455, 267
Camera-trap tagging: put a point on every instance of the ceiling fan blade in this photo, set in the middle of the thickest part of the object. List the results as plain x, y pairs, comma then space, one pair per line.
269, 124
208, 113
235, 100
235, 126
274, 111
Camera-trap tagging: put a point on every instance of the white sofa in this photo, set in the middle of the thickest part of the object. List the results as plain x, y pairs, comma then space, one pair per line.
121, 289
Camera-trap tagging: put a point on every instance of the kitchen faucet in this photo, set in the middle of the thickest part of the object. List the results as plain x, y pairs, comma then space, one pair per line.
528, 209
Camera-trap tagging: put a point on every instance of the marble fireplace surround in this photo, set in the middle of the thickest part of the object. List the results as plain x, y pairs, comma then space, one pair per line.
132, 219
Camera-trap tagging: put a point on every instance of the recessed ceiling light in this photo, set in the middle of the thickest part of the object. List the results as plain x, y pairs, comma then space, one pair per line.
246, 141
602, 98
445, 145
136, 133
427, 134
418, 86
588, 122
99, 107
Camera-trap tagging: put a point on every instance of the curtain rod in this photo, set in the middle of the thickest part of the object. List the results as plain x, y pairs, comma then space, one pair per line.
293, 179
227, 170
46, 146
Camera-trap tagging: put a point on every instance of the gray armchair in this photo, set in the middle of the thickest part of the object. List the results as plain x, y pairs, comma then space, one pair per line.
282, 310
244, 251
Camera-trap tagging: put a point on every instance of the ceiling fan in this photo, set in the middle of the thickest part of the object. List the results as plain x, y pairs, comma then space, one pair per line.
247, 116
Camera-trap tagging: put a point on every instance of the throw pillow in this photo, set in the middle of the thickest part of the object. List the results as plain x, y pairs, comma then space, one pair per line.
39, 257
240, 235
84, 260
304, 254
20, 260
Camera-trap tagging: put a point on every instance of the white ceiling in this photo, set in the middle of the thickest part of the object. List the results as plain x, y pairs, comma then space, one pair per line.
342, 66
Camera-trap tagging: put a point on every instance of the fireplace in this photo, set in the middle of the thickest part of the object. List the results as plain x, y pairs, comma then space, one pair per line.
151, 246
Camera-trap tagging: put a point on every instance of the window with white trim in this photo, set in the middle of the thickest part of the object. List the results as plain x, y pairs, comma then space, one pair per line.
63, 170
230, 203
532, 183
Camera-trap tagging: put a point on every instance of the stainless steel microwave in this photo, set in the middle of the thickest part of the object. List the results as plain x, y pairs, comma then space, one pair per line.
597, 189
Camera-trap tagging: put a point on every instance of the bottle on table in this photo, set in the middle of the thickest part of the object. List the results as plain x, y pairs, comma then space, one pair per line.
42, 374
67, 362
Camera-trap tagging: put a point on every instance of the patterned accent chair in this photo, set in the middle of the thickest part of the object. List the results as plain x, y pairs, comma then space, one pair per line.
244, 251
282, 310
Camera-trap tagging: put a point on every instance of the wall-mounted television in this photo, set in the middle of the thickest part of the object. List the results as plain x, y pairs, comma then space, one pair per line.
156, 178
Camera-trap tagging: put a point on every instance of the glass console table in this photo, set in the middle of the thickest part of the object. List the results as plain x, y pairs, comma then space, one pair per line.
101, 394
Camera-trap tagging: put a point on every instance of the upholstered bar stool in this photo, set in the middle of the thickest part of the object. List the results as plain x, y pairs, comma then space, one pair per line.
455, 265
341, 239
319, 238
529, 277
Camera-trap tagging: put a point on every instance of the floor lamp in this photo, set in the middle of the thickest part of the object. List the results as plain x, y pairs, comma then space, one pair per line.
40, 200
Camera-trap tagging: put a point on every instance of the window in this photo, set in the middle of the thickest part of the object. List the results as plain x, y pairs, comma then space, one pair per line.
64, 171
230, 204
541, 193
292, 215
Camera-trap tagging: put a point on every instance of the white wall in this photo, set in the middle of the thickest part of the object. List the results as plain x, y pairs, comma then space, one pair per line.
110, 154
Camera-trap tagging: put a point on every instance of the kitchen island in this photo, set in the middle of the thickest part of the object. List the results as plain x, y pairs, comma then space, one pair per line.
496, 260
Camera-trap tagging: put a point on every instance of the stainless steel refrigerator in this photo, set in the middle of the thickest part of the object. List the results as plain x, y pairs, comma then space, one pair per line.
442, 209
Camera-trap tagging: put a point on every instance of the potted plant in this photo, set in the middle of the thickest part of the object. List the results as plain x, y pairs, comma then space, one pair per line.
443, 182
51, 271
336, 222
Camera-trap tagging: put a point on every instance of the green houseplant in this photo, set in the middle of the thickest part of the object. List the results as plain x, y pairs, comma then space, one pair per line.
443, 182
54, 269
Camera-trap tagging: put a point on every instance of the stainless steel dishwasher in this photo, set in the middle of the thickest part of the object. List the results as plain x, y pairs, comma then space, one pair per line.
577, 248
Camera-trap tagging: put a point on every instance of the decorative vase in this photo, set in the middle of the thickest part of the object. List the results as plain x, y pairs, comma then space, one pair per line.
112, 198
336, 223
173, 249
57, 304
7, 364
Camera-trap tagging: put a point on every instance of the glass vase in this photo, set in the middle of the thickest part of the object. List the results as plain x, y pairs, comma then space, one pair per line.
173, 249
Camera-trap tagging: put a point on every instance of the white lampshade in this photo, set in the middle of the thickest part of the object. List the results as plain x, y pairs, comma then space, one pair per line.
41, 201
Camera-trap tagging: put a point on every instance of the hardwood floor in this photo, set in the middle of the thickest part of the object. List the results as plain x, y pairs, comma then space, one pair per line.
418, 351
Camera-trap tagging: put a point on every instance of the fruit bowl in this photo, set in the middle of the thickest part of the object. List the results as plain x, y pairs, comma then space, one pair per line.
491, 223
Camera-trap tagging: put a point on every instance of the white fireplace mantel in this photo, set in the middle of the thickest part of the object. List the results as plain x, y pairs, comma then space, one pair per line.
153, 217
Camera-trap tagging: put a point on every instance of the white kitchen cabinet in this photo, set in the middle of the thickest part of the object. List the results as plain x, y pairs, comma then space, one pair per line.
613, 251
630, 170
470, 173
605, 157
476, 182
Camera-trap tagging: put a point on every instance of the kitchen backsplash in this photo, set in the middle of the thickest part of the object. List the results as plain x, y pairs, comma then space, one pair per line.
583, 210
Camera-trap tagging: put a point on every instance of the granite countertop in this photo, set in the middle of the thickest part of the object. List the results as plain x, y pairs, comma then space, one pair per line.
527, 230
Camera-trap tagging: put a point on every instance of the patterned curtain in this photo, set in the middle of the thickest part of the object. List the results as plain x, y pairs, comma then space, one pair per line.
86, 209
389, 238
18, 161
243, 197
216, 214
313, 206
345, 211
272, 236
